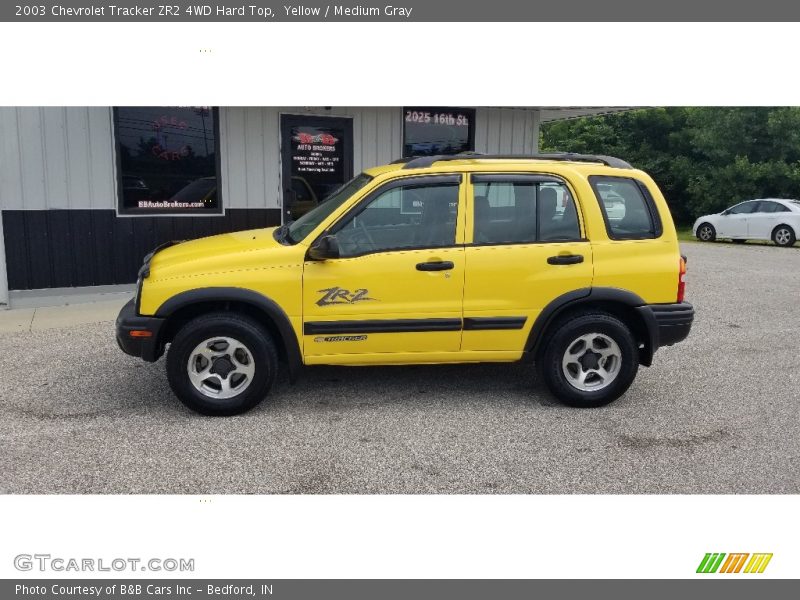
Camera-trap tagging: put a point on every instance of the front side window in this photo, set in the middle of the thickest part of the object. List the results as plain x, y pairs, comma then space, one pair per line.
745, 208
167, 160
299, 229
628, 209
405, 217
523, 212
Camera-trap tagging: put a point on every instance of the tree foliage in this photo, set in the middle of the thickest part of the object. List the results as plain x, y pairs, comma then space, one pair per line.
703, 159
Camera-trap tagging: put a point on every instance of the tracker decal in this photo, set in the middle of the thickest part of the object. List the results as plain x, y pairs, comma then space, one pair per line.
340, 338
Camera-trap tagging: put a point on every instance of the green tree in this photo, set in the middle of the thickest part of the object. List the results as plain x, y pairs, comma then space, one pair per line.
704, 159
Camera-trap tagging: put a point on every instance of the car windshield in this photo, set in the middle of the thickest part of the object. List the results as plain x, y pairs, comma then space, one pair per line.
299, 229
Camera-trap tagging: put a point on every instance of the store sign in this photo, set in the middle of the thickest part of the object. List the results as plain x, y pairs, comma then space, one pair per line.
431, 131
317, 151
427, 117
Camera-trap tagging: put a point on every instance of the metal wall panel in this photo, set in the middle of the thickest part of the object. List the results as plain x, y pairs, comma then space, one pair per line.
63, 158
56, 158
506, 130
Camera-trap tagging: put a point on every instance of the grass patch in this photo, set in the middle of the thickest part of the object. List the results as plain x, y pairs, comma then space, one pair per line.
685, 234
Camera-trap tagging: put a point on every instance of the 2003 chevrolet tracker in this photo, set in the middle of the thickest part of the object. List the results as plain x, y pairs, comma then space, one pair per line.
571, 260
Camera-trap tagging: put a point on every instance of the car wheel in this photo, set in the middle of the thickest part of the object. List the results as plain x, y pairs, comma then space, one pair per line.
590, 360
222, 364
783, 235
738, 241
706, 233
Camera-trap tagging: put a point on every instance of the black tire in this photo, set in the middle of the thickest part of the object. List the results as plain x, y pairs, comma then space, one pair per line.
258, 347
564, 337
737, 241
784, 236
706, 232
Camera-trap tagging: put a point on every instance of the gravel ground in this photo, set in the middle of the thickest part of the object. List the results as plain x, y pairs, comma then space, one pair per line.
716, 414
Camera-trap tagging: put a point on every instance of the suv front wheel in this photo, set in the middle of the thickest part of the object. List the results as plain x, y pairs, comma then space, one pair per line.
590, 360
222, 364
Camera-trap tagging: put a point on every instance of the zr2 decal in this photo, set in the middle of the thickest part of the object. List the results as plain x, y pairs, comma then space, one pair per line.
337, 295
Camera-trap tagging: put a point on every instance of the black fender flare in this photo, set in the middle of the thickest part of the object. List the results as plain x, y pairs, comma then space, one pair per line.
266, 305
592, 295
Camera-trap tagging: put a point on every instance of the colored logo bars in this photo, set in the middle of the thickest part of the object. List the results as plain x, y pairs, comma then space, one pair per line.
734, 562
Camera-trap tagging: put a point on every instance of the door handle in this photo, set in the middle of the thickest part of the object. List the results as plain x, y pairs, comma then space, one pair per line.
437, 265
565, 259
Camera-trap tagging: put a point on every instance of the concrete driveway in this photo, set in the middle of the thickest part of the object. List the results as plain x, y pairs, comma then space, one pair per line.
716, 414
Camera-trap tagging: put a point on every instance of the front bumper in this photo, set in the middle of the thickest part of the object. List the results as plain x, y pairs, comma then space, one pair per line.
667, 324
139, 336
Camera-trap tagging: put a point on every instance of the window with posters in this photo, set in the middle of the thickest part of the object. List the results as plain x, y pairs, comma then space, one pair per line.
167, 160
317, 158
431, 131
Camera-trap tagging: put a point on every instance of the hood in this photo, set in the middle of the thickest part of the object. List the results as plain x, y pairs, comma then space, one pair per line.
228, 251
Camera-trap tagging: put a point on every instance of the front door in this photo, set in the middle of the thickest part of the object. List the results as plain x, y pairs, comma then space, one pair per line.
316, 158
734, 223
397, 286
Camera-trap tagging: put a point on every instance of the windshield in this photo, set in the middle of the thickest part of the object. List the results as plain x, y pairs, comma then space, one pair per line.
309, 221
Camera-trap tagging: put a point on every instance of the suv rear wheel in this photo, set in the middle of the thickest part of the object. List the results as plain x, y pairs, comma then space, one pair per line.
590, 360
222, 364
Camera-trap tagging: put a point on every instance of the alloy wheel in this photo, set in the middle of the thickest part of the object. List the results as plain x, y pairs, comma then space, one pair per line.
591, 362
221, 367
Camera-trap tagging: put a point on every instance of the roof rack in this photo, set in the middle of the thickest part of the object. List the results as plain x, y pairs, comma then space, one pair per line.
423, 162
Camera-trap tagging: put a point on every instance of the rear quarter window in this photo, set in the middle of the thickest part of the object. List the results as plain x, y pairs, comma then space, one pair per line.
628, 208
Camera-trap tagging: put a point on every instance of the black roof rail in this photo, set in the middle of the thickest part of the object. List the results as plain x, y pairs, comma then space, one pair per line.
422, 162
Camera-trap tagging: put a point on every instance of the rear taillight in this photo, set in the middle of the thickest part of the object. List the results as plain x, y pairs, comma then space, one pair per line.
682, 279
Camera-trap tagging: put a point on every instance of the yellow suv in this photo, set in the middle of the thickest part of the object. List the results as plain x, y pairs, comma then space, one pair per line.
570, 260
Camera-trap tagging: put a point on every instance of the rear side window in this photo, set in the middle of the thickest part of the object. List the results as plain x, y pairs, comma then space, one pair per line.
523, 211
772, 207
628, 208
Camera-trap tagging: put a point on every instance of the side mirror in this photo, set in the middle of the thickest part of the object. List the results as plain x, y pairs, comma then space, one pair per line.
324, 248
725, 212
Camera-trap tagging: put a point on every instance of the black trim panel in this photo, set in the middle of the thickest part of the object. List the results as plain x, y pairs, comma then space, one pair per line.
493, 323
674, 321
521, 177
85, 247
381, 326
423, 162
266, 305
146, 348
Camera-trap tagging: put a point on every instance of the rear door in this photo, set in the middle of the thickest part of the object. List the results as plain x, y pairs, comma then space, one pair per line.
527, 248
767, 216
397, 286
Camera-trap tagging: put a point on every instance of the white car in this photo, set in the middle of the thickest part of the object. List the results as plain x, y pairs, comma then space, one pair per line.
773, 219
